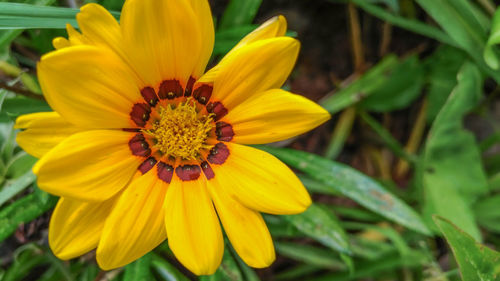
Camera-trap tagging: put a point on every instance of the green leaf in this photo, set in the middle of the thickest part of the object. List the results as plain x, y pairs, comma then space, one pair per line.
409, 24
476, 261
13, 187
24, 210
23, 16
452, 173
139, 270
239, 12
15, 106
487, 214
441, 68
311, 255
399, 90
321, 225
490, 54
20, 164
228, 270
167, 271
353, 184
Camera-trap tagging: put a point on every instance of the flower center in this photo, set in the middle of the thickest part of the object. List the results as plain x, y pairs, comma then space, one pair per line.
181, 131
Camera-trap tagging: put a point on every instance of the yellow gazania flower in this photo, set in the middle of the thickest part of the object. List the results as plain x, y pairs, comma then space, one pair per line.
142, 145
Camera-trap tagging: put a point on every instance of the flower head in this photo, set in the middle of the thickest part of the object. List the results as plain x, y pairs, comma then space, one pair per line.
143, 146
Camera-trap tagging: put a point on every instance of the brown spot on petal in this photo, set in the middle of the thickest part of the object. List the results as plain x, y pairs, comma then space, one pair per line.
203, 93
140, 114
189, 87
224, 131
207, 170
147, 165
149, 96
218, 109
170, 89
218, 154
165, 171
139, 146
188, 172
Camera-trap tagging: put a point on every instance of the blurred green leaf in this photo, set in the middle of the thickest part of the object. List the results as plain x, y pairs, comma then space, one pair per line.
228, 270
399, 89
321, 225
238, 13
15, 106
476, 261
452, 173
442, 68
167, 271
487, 214
139, 270
490, 54
362, 87
13, 187
353, 184
226, 39
24, 16
19, 165
24, 210
409, 24
311, 255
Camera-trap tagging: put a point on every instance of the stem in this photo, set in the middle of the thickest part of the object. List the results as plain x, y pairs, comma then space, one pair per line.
20, 91
341, 132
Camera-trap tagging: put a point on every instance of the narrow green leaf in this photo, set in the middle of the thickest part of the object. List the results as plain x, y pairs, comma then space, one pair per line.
19, 165
310, 255
321, 225
139, 270
476, 261
24, 210
361, 88
23, 16
353, 184
490, 54
228, 270
167, 271
13, 187
239, 12
453, 176
15, 106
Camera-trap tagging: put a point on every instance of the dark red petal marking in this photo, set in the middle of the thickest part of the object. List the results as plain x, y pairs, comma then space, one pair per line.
203, 93
165, 171
170, 89
207, 170
149, 96
188, 172
189, 87
140, 114
218, 109
218, 154
131, 130
147, 165
224, 131
139, 146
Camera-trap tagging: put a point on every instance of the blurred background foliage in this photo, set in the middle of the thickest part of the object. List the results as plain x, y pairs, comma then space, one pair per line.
405, 177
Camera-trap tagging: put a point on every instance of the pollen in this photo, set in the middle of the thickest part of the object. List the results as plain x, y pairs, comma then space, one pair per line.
180, 131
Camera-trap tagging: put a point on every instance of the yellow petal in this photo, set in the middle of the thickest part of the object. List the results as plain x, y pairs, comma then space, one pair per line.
205, 22
245, 228
89, 86
194, 233
60, 42
76, 226
254, 68
274, 27
75, 38
274, 115
44, 130
91, 165
261, 182
136, 225
162, 39
99, 26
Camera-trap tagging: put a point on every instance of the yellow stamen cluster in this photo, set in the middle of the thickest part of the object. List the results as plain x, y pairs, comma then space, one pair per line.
180, 132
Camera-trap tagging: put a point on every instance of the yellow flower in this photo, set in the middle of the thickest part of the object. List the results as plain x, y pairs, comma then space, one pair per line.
142, 145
